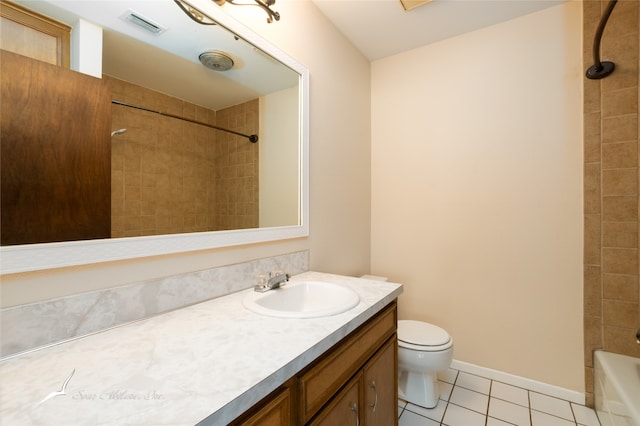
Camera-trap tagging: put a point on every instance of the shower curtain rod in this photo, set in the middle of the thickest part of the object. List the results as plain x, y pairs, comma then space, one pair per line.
252, 138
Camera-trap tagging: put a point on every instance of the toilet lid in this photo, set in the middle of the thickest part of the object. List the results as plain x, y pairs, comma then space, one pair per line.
422, 333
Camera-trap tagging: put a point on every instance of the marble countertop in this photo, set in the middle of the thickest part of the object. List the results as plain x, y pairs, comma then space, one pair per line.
205, 363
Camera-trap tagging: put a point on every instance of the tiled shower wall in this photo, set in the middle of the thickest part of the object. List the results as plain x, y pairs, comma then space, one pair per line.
171, 176
611, 182
237, 168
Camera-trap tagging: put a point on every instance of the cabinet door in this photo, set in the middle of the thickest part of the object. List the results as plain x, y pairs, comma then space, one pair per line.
381, 387
275, 413
345, 408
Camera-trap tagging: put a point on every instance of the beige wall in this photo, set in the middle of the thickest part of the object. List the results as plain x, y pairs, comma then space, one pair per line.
339, 172
611, 291
340, 131
477, 183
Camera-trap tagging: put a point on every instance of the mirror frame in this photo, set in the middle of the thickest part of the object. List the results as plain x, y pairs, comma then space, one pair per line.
35, 257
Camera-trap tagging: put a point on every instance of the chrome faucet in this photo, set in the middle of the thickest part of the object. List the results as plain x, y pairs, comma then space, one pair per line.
271, 281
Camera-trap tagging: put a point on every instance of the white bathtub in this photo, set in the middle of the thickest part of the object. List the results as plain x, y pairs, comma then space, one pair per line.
617, 389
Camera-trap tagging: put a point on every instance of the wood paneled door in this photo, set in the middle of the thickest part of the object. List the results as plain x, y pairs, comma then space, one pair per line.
55, 149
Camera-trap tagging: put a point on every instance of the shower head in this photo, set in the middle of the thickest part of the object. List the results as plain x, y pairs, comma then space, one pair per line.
601, 69
216, 60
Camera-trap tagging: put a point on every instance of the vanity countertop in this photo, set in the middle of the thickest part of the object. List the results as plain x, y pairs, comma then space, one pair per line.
206, 363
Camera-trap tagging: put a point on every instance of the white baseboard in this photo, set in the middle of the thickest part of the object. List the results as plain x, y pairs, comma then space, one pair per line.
521, 382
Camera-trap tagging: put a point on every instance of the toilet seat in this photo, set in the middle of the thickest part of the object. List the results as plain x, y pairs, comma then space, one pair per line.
422, 336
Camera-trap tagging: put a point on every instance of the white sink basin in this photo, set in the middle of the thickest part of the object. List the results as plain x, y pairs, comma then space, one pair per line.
302, 299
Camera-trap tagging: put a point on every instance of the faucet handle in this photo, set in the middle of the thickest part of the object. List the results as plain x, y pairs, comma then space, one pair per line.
263, 279
282, 276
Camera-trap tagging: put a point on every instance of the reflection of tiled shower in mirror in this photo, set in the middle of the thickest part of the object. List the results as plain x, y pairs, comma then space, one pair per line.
172, 176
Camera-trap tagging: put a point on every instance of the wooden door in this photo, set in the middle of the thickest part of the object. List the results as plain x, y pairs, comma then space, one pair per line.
31, 34
55, 153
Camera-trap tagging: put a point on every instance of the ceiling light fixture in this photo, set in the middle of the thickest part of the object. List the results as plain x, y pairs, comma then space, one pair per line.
195, 14
216, 60
408, 5
264, 5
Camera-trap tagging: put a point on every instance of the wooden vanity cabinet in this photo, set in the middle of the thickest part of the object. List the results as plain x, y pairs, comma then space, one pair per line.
353, 383
360, 351
370, 397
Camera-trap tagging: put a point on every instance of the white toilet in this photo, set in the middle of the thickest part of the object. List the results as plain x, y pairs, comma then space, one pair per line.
423, 350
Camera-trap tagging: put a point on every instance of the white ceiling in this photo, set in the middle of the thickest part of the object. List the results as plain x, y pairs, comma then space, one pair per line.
168, 62
380, 28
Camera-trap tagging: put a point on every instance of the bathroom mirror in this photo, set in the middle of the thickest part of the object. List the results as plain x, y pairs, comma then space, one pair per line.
261, 72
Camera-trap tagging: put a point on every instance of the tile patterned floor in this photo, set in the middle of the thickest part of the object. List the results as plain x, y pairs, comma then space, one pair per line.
470, 400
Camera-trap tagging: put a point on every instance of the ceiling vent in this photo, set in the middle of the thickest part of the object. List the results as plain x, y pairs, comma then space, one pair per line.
216, 60
143, 22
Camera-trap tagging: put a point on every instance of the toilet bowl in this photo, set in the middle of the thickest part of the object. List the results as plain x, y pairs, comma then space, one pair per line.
423, 350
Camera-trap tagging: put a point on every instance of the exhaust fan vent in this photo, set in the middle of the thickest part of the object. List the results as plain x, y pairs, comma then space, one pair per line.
216, 60
143, 22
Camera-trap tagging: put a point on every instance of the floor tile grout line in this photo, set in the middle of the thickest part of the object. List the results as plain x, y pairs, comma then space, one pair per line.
555, 397
529, 391
473, 390
502, 420
529, 402
529, 408
486, 416
511, 402
446, 407
514, 386
470, 409
556, 416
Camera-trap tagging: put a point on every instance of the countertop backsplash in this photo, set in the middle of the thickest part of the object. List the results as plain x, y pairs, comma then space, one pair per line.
26, 327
